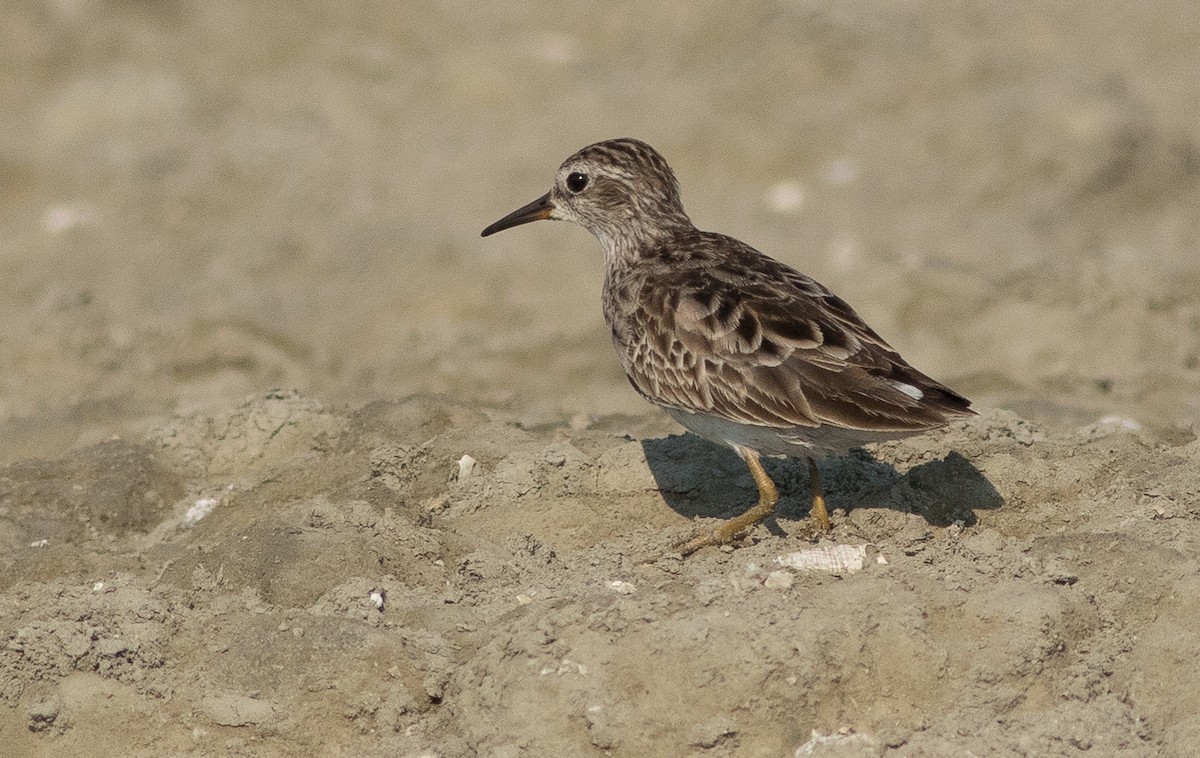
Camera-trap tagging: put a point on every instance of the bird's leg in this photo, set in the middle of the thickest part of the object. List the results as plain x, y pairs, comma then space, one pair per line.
730, 530
818, 514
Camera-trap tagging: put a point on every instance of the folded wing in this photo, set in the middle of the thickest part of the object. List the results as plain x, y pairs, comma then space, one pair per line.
767, 345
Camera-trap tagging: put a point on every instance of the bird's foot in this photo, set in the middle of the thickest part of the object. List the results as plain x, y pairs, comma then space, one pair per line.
729, 531
735, 529
818, 523
814, 528
722, 535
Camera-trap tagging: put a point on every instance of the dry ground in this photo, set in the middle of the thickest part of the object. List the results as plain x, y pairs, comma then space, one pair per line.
250, 333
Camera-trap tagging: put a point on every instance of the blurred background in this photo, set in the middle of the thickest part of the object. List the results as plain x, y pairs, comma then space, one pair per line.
201, 200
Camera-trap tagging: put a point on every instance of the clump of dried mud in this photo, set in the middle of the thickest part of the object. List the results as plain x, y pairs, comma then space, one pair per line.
357, 584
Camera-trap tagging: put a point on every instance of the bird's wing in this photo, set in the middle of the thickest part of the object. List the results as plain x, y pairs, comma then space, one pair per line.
766, 345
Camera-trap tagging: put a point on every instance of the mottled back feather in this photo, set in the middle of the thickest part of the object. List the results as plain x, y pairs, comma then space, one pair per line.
732, 332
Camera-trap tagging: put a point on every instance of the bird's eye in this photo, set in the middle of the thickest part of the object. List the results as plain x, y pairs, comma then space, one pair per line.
576, 181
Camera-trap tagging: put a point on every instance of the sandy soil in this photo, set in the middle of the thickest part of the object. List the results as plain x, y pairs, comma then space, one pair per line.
293, 463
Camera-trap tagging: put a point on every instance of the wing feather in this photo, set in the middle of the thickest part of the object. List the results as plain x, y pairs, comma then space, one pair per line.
747, 338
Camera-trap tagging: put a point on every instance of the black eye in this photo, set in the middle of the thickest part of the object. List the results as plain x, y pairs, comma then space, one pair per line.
576, 181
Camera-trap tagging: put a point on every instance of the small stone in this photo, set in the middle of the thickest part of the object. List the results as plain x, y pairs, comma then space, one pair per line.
43, 714
778, 580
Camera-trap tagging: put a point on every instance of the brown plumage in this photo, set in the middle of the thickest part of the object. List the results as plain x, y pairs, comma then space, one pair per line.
736, 346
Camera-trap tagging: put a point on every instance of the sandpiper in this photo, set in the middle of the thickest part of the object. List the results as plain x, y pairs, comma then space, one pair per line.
739, 348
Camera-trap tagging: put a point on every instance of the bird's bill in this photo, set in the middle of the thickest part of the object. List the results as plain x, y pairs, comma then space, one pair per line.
538, 210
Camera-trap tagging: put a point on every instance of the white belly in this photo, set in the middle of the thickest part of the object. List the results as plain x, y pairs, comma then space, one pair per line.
814, 441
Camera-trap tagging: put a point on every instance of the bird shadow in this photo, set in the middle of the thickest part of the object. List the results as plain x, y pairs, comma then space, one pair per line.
701, 479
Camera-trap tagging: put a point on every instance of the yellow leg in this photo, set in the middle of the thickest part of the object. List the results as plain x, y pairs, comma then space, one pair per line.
818, 514
730, 530
768, 496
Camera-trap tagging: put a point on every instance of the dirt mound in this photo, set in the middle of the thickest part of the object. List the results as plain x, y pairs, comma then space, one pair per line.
415, 575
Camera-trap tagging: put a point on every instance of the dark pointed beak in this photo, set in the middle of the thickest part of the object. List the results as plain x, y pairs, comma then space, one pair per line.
536, 211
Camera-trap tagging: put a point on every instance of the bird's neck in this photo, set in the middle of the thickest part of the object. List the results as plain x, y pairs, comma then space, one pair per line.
625, 245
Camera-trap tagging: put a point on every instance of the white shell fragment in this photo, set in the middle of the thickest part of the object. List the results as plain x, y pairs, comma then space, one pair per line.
466, 467
377, 598
833, 559
199, 509
622, 588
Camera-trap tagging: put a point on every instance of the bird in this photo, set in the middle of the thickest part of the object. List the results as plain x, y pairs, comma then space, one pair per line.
740, 349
